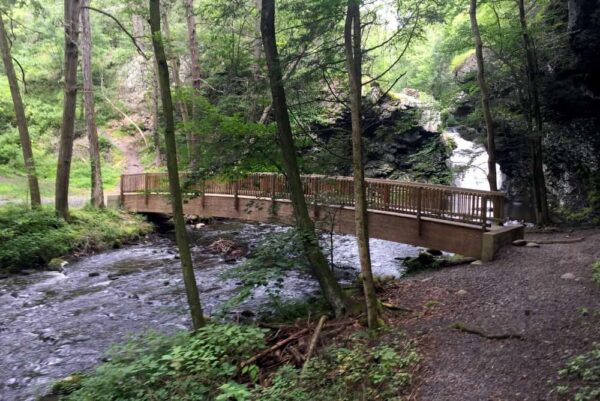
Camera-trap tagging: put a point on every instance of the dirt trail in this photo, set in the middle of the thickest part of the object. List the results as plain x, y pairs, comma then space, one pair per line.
128, 146
538, 294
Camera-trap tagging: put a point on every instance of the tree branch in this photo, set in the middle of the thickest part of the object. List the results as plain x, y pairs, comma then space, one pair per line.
140, 51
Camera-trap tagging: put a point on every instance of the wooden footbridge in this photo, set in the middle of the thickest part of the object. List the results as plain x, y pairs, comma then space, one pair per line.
435, 216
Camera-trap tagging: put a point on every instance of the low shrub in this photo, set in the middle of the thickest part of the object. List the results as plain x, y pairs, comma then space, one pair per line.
185, 367
596, 272
206, 366
357, 371
31, 238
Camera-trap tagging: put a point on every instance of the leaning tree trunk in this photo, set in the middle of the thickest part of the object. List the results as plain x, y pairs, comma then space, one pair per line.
192, 138
331, 289
485, 98
353, 50
34, 188
537, 166
65, 149
180, 232
88, 101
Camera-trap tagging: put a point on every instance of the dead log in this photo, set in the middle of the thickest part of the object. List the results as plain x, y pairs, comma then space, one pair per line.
313, 342
275, 347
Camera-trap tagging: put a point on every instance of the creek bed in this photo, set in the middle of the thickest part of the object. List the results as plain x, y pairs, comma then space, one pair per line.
53, 324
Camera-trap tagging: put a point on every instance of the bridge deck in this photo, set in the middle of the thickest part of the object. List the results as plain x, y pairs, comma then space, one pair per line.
452, 219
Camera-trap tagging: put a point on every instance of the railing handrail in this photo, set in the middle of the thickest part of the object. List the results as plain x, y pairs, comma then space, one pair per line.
426, 200
347, 178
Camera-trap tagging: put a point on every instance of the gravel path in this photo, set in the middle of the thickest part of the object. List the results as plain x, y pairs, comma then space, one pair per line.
544, 295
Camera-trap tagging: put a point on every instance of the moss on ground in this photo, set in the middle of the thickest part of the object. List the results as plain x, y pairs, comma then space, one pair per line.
32, 238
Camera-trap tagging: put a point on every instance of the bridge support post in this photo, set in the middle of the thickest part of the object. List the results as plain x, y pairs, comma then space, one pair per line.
316, 210
236, 198
419, 209
484, 202
122, 193
146, 189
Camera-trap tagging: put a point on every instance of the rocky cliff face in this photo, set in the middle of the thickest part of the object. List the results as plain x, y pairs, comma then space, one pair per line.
570, 95
400, 141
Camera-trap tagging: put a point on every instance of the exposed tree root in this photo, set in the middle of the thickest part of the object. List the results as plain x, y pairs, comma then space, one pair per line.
393, 307
508, 336
560, 241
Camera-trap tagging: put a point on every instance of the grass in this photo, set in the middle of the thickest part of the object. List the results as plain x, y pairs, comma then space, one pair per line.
32, 238
13, 182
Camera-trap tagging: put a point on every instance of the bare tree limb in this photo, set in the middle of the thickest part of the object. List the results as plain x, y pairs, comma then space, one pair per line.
22, 74
140, 51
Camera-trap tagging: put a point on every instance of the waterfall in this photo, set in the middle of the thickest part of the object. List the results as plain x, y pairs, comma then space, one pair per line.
469, 162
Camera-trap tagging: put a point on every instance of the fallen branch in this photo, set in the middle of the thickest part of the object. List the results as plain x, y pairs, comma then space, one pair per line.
274, 347
313, 341
461, 327
456, 262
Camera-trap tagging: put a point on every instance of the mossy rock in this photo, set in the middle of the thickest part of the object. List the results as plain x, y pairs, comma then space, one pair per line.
424, 261
67, 385
57, 264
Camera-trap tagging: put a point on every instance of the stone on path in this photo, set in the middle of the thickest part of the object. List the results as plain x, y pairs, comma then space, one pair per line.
568, 276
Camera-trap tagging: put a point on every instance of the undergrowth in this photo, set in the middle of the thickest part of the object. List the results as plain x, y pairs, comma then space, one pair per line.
596, 272
581, 377
207, 365
31, 238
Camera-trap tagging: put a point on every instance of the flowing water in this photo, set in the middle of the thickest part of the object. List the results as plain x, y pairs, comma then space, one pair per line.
469, 160
52, 324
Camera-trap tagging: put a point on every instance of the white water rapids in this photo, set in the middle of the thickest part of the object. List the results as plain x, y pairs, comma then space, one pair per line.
469, 163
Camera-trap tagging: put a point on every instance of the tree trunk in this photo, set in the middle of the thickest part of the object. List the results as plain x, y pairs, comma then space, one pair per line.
353, 50
158, 156
65, 150
177, 81
175, 189
257, 50
331, 289
34, 188
138, 30
88, 101
535, 141
196, 76
485, 99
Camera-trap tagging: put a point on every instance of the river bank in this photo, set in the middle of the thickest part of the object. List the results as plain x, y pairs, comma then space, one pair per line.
69, 320
35, 239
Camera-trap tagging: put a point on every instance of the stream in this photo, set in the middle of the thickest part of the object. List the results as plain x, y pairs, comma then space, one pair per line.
53, 324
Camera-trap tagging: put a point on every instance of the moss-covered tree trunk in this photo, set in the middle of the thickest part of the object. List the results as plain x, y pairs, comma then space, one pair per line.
330, 287
67, 131
189, 279
535, 141
97, 195
34, 188
353, 50
485, 98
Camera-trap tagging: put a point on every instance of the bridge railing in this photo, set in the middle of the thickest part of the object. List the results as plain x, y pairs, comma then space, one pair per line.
422, 200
